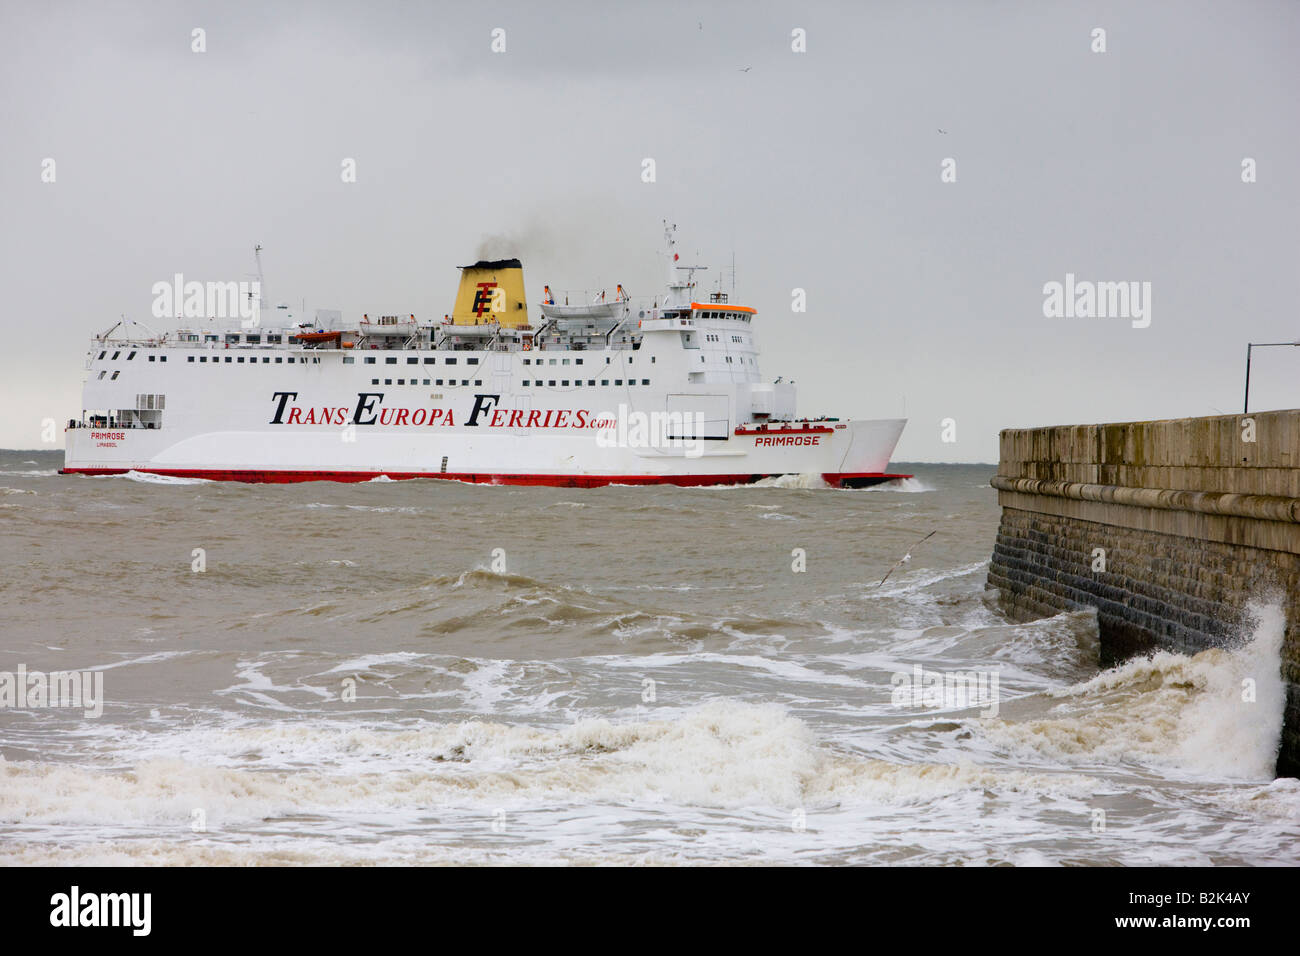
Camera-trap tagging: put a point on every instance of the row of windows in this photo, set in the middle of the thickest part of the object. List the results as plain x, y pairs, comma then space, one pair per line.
538, 383
416, 381
252, 359
412, 360
347, 359
415, 360
251, 339
738, 360
577, 382
280, 359
129, 356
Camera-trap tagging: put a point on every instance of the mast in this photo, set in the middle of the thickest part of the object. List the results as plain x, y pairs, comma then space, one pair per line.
256, 299
679, 289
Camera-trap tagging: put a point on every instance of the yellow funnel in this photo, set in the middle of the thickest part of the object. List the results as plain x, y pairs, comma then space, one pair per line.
491, 292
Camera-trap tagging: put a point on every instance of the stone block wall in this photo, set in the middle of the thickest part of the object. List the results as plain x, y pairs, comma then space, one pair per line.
1194, 518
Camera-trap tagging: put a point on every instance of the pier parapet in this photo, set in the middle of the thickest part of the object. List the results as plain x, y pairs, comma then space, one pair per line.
1168, 528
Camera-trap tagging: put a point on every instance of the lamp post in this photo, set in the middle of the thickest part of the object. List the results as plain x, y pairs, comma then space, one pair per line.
1257, 345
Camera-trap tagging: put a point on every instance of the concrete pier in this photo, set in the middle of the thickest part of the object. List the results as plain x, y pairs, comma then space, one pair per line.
1168, 528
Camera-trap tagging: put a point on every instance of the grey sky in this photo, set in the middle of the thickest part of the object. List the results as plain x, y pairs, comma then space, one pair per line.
820, 170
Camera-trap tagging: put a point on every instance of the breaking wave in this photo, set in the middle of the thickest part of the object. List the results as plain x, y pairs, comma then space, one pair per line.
1216, 714
721, 755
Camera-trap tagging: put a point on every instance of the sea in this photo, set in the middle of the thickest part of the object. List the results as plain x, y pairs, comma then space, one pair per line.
430, 672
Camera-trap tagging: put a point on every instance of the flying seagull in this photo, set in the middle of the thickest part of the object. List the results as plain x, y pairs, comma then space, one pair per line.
944, 131
905, 558
745, 70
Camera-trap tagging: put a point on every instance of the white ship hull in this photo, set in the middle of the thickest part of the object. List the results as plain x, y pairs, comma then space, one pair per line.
247, 422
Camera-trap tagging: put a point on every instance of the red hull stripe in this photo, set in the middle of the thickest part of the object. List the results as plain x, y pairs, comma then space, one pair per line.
857, 480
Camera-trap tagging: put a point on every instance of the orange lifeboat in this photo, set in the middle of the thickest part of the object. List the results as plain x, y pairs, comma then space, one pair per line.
318, 336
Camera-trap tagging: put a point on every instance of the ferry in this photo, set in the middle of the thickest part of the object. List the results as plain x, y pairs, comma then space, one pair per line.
603, 390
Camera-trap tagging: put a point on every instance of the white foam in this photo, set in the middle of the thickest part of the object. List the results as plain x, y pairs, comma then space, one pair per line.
804, 481
909, 486
792, 481
1172, 710
721, 755
1279, 799
149, 478
369, 661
